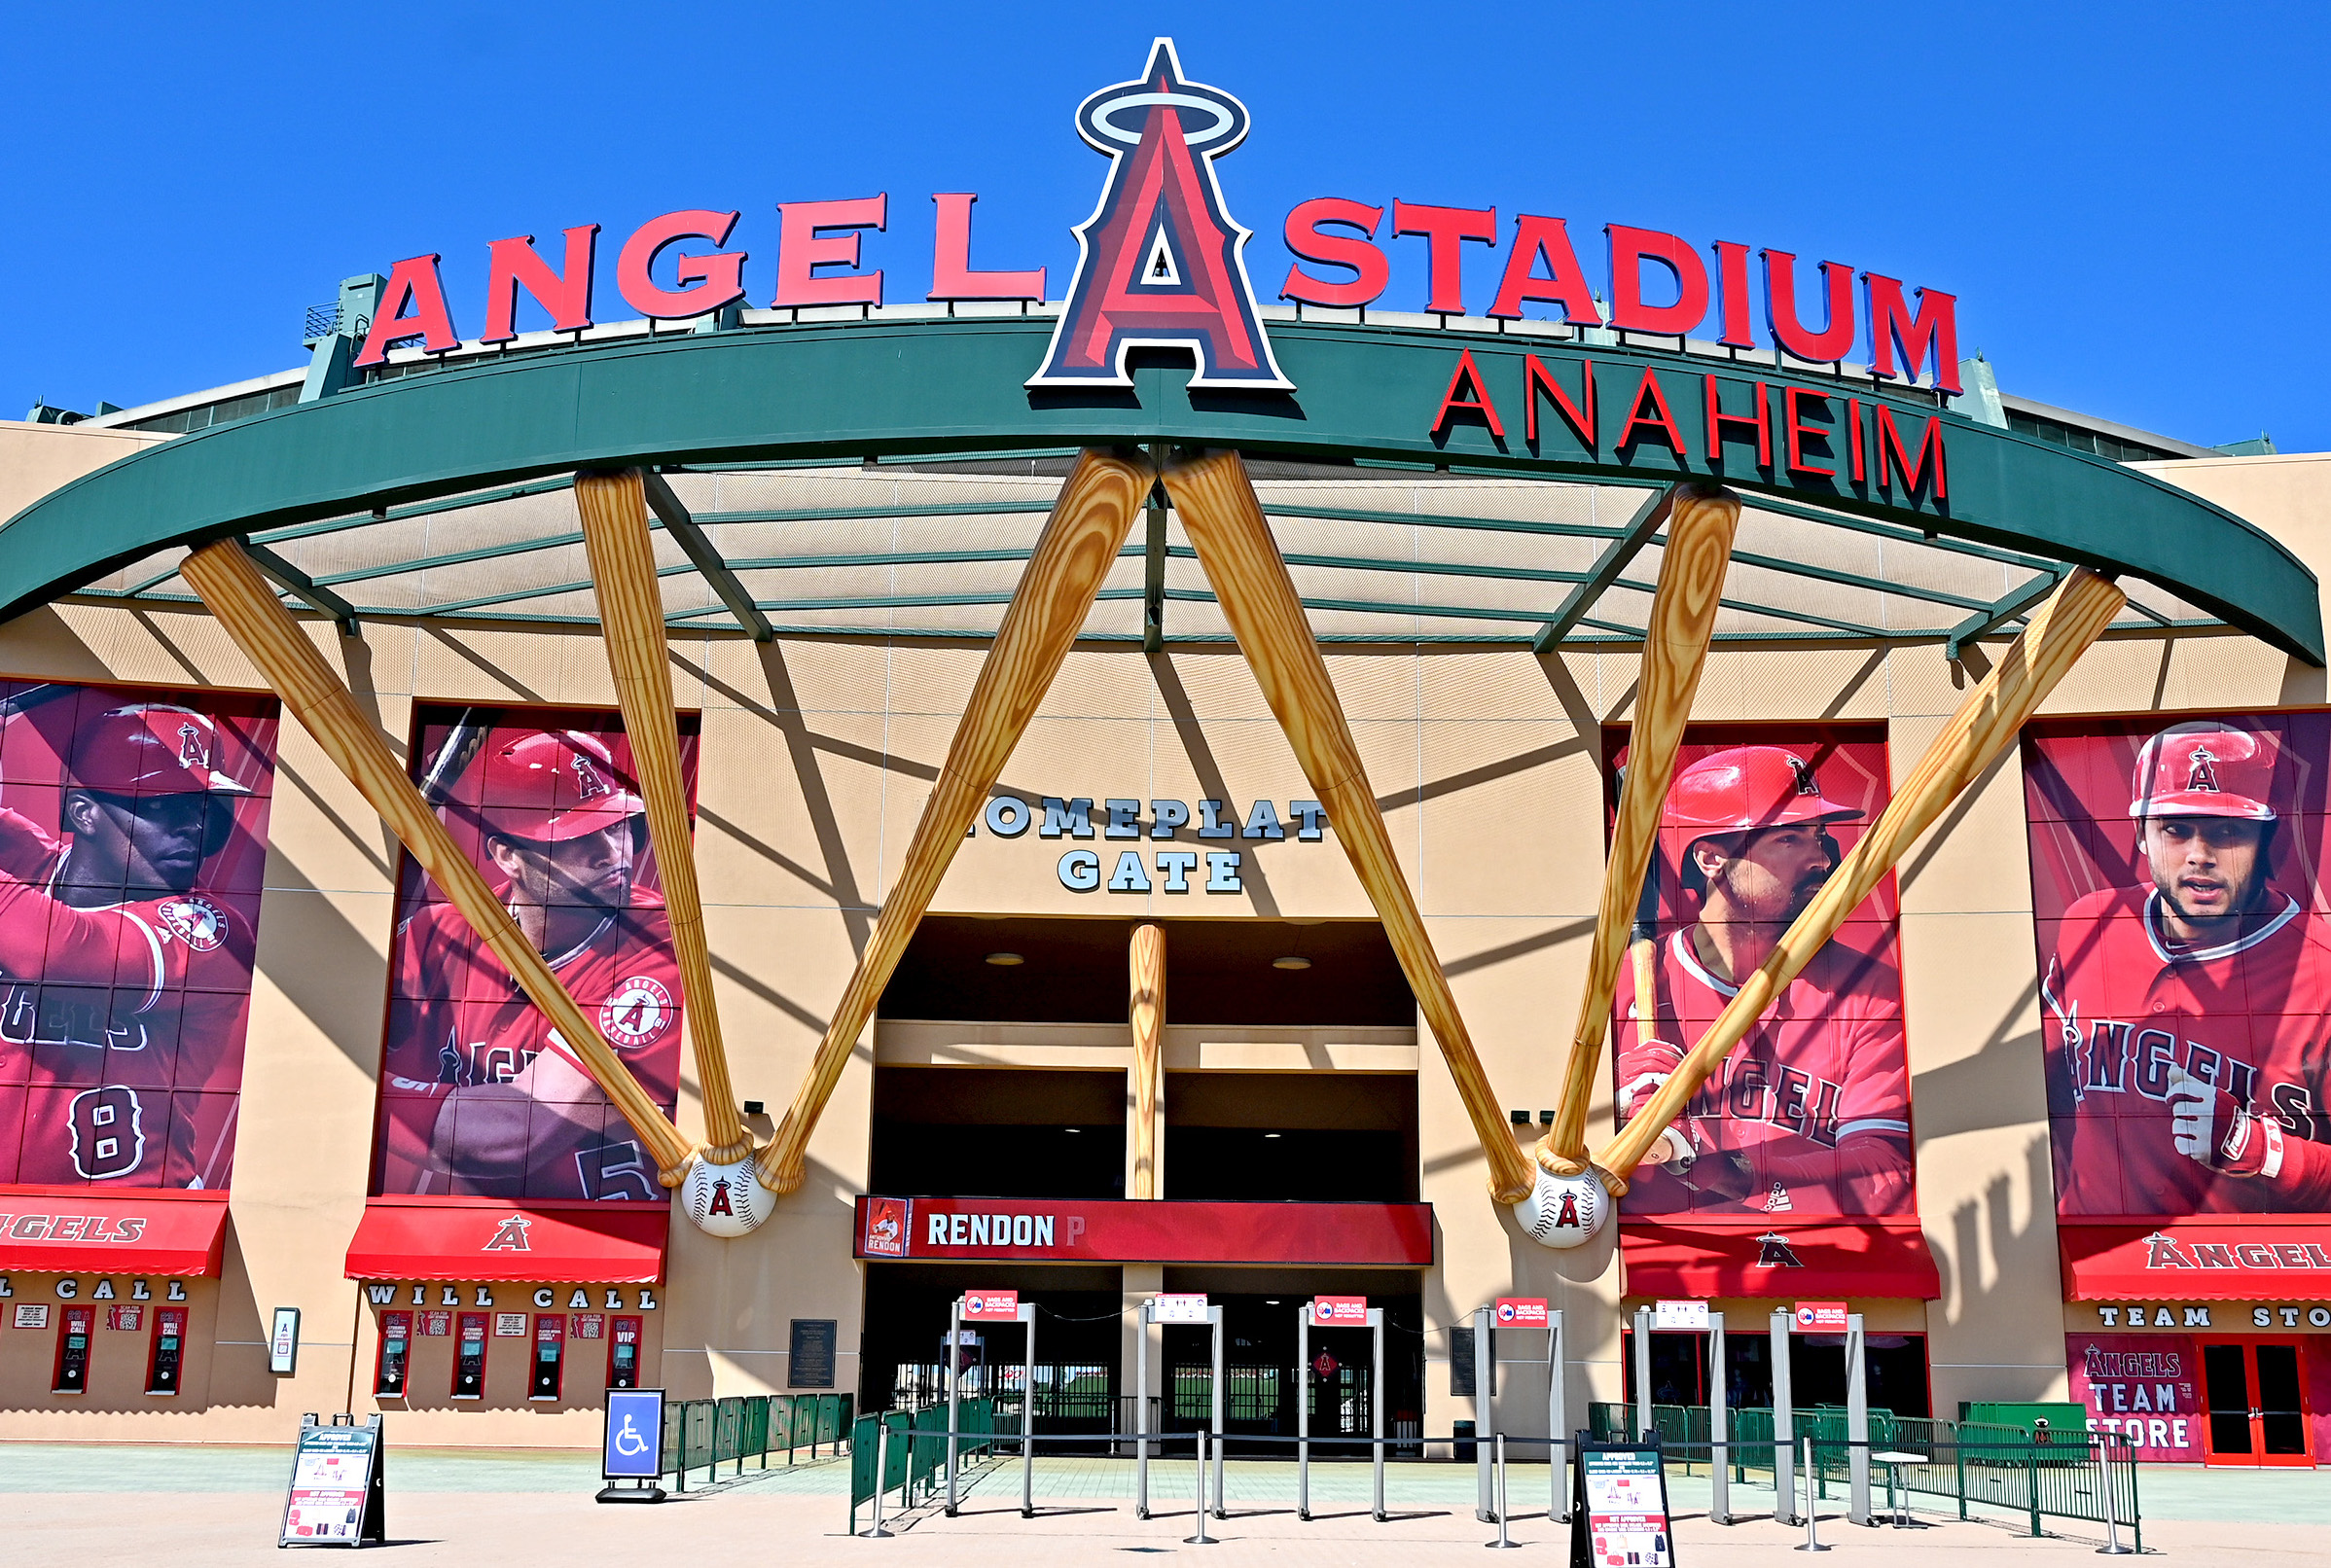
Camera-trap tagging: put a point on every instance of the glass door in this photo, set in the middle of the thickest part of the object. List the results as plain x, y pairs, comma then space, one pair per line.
2257, 1411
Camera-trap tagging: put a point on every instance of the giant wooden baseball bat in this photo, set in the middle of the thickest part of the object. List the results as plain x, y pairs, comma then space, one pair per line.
1984, 724
1080, 542
622, 569
1224, 520
247, 607
1146, 960
1699, 524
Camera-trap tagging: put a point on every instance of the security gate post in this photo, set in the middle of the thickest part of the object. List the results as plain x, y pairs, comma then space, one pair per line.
1484, 1423
1857, 1423
1302, 1411
1214, 1319
1719, 1427
1027, 1415
1784, 1425
1558, 1430
1375, 1409
1141, 1411
954, 1339
1642, 1360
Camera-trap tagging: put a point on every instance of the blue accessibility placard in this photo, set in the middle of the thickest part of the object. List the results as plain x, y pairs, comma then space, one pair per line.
634, 1447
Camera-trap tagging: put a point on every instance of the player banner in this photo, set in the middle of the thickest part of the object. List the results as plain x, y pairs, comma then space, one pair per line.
478, 1096
2179, 906
132, 850
1809, 1115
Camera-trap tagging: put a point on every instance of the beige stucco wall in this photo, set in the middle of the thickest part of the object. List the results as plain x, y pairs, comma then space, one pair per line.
815, 761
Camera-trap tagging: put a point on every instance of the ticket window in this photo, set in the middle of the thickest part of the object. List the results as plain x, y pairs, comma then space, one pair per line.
623, 1354
396, 1350
550, 1341
73, 1338
2257, 1405
469, 1356
164, 1361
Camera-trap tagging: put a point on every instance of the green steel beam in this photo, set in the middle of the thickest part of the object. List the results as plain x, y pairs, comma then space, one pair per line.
1614, 560
1998, 612
701, 553
299, 586
835, 391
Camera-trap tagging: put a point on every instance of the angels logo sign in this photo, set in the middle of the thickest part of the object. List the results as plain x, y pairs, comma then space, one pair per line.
193, 921
1773, 1251
1158, 262
636, 1012
887, 1222
510, 1236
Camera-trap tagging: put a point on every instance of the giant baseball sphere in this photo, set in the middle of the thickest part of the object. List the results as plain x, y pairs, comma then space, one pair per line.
726, 1201
1563, 1211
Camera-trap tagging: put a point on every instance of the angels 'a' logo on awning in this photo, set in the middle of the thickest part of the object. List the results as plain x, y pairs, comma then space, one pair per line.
1160, 262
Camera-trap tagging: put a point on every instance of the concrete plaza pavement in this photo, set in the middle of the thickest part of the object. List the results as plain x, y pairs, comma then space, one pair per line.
195, 1507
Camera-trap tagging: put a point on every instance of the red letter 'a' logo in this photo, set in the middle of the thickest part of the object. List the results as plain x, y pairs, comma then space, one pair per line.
1158, 262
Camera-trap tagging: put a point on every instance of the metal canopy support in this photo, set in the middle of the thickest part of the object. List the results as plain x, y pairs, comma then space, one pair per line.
1153, 565
1983, 622
299, 586
1607, 566
707, 559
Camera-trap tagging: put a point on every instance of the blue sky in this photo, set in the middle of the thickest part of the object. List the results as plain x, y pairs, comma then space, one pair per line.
2128, 200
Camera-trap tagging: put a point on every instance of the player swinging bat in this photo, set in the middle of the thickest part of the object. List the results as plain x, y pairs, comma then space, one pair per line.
1564, 1211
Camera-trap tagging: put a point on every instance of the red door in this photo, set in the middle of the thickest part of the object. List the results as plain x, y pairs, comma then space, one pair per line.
2256, 1403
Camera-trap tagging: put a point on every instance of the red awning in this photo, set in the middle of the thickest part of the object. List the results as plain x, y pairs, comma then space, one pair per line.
467, 1238
1772, 1256
1107, 1231
2225, 1257
86, 1230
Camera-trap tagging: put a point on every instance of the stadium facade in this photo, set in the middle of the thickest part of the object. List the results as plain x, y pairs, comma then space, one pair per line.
282, 1134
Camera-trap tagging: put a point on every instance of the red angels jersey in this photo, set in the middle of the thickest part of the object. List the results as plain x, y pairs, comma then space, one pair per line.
459, 1021
1817, 1097
121, 1027
2124, 1003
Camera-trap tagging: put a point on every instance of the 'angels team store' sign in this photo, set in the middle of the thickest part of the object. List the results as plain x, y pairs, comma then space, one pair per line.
1160, 264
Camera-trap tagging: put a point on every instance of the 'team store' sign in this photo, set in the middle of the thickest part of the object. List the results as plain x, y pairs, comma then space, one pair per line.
1160, 262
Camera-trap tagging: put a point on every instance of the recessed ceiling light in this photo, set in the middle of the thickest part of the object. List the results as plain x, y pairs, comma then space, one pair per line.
1269, 1134
1005, 960
1072, 1129
1290, 962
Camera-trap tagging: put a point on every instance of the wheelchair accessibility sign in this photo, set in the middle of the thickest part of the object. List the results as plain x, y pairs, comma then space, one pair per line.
634, 1442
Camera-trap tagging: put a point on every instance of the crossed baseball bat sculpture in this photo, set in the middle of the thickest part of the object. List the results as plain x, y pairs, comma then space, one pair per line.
1699, 524
1565, 1210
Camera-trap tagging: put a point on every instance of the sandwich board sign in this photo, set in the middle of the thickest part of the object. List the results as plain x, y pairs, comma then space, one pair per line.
337, 1495
1619, 1507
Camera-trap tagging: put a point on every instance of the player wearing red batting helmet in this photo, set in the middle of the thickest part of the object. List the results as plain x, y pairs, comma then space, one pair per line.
2187, 1057
480, 1096
130, 984
1811, 1113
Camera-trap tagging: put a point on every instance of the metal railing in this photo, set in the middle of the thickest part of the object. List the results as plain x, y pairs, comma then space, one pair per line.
910, 1450
2035, 1475
703, 1434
